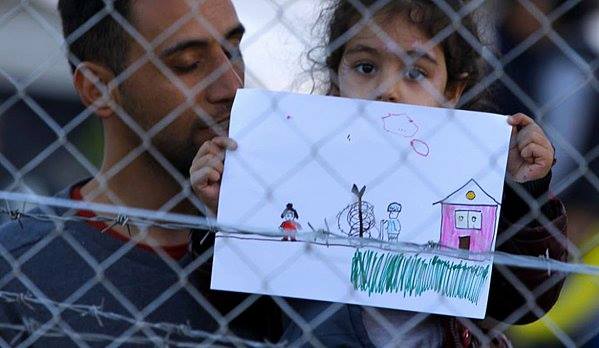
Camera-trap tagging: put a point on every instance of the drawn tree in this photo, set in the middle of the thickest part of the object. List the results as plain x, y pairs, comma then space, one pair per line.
357, 219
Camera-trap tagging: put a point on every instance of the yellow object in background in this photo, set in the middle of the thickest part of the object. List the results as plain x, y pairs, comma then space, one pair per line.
577, 304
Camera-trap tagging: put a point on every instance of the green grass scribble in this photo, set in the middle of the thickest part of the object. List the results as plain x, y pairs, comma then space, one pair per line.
379, 273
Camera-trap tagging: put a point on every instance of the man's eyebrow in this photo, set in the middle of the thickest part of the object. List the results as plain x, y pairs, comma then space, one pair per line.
199, 43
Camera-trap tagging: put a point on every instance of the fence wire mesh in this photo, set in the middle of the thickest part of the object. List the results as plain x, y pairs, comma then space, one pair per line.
58, 288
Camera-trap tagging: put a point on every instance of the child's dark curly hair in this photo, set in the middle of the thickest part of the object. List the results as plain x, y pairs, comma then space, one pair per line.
464, 64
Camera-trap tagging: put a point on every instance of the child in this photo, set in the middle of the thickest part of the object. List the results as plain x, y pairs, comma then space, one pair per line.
405, 53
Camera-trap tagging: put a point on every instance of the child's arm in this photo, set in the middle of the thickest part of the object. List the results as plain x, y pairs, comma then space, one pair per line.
544, 236
526, 232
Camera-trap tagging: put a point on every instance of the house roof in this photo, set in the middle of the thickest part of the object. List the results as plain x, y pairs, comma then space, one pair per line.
469, 194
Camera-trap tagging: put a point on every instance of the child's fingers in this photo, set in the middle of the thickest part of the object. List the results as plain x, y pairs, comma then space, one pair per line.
207, 149
209, 160
536, 154
225, 143
519, 120
530, 135
204, 177
526, 131
202, 152
207, 169
217, 162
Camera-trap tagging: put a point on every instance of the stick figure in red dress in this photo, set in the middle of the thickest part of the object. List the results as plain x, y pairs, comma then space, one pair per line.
289, 226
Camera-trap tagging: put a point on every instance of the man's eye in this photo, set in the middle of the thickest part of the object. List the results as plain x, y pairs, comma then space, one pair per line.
365, 68
414, 74
186, 68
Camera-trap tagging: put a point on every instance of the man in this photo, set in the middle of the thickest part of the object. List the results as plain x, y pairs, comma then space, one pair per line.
161, 75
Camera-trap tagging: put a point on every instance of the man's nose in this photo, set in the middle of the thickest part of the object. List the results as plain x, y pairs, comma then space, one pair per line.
224, 81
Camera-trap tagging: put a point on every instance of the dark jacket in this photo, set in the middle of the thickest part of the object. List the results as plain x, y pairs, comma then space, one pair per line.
45, 262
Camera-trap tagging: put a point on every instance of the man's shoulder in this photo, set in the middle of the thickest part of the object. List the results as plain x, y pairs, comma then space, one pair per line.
32, 226
21, 233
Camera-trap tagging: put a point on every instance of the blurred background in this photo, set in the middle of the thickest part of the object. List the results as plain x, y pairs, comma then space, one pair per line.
549, 51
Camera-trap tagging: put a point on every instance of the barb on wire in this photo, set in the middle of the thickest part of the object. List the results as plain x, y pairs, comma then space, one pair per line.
121, 220
97, 311
94, 311
16, 214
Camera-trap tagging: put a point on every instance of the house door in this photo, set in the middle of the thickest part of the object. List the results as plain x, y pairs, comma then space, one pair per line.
465, 243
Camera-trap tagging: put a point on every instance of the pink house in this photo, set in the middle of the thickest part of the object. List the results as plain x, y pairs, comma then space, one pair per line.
468, 218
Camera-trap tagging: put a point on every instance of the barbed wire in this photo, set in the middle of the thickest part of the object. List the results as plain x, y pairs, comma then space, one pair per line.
97, 312
144, 219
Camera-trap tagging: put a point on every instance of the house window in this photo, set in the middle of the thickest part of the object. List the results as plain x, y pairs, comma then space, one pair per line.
468, 219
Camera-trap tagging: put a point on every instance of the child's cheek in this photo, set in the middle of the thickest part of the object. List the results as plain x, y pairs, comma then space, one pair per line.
420, 95
351, 86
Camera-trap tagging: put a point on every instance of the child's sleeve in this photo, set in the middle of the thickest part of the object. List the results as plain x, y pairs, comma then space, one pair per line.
524, 232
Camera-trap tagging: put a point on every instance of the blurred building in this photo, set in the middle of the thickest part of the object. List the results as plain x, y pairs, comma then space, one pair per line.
553, 76
38, 105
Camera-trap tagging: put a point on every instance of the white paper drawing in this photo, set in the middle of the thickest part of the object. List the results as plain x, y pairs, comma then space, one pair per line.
355, 181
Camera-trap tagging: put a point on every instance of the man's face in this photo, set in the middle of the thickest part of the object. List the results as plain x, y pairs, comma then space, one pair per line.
197, 42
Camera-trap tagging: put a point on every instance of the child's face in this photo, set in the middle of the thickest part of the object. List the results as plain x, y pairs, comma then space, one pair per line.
370, 69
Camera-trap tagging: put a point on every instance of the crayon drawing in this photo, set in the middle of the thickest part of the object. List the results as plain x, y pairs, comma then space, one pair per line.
469, 216
395, 207
357, 219
400, 124
391, 227
405, 126
289, 226
411, 275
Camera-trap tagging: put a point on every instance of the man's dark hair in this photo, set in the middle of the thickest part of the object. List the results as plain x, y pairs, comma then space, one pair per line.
104, 41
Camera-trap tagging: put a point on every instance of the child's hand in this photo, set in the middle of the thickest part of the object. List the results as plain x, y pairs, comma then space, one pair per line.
207, 169
531, 154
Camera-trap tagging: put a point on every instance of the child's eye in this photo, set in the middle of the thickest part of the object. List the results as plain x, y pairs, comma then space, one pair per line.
414, 74
365, 68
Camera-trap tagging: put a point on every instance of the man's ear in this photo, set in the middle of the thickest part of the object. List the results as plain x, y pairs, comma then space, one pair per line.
454, 91
93, 84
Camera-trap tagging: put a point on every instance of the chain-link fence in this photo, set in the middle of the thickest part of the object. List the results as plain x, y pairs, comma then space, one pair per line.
123, 256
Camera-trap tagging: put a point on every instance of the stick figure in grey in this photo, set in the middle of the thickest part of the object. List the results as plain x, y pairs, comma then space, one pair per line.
390, 228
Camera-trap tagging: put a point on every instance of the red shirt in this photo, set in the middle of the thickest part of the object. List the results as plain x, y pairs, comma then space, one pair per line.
174, 251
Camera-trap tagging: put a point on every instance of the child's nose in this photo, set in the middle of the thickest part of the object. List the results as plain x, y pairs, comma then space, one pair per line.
388, 98
390, 91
